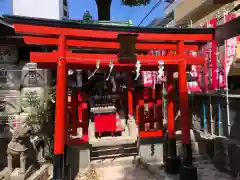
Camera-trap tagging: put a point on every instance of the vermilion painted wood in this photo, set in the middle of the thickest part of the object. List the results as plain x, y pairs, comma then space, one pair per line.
117, 68
73, 111
170, 106
139, 110
214, 62
46, 30
64, 59
85, 117
183, 95
150, 134
105, 123
102, 44
61, 100
130, 95
91, 59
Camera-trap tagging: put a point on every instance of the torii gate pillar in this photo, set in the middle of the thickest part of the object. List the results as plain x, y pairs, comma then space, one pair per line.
61, 111
187, 170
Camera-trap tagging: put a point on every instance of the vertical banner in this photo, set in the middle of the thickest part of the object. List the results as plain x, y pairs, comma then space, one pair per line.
195, 73
210, 69
214, 64
230, 47
149, 78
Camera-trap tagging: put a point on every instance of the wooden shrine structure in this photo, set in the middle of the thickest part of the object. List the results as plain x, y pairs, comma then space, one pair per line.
89, 38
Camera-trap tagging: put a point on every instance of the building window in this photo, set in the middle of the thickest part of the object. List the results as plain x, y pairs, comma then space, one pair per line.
65, 13
65, 2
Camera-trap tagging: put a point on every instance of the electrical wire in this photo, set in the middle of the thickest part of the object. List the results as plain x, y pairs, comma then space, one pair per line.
154, 7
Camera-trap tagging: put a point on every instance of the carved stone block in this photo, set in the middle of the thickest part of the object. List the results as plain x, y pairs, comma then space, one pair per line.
32, 99
9, 102
10, 77
8, 54
34, 77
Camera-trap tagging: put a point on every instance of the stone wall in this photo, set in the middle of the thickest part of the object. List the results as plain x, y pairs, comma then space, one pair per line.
226, 150
21, 83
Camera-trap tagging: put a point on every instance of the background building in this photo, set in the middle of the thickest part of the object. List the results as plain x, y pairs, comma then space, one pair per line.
186, 13
50, 9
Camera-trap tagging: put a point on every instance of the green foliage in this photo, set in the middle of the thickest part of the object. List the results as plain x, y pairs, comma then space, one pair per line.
135, 2
87, 16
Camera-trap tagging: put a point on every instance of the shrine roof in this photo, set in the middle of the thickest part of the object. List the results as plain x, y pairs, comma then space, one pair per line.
6, 29
75, 24
228, 30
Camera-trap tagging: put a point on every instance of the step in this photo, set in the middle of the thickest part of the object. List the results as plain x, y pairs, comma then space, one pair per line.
114, 148
112, 141
113, 156
114, 151
116, 161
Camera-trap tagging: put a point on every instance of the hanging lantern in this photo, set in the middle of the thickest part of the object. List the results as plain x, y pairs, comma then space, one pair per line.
127, 47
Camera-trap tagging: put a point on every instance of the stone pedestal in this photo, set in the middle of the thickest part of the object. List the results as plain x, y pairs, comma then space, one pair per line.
79, 158
16, 175
151, 150
132, 128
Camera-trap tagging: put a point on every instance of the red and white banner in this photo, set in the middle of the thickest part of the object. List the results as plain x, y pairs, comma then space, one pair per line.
230, 46
213, 74
149, 78
195, 86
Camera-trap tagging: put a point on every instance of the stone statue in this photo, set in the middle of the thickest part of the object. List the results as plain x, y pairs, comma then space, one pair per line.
19, 147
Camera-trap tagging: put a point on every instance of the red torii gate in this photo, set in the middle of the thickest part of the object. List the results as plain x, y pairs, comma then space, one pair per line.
64, 34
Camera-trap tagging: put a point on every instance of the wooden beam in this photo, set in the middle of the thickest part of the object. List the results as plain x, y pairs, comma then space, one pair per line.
47, 30
227, 30
91, 59
102, 44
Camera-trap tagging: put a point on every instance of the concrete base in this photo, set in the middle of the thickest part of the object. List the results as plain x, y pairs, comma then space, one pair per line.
79, 158
40, 174
188, 173
225, 152
197, 147
16, 175
172, 164
151, 150
3, 173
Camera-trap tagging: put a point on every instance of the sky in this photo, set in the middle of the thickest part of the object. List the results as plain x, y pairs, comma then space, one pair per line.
118, 12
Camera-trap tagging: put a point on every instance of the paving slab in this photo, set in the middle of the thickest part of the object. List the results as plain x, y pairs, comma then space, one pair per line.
206, 171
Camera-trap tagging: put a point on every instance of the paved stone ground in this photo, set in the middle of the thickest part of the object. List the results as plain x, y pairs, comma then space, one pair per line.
206, 171
119, 173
